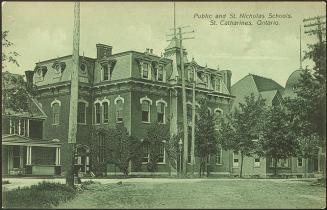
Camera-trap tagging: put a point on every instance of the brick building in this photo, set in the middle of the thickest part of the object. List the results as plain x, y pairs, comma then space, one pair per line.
130, 87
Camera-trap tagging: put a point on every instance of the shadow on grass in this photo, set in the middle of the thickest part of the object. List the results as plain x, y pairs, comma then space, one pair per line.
42, 195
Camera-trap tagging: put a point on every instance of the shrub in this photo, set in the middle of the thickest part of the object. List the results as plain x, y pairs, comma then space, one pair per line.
43, 195
5, 182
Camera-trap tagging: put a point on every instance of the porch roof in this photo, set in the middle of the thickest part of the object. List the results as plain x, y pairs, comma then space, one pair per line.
14, 139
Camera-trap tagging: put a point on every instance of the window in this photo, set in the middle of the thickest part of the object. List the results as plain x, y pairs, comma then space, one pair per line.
160, 74
219, 156
218, 117
207, 80
101, 148
105, 106
17, 126
97, 113
146, 155
146, 68
119, 110
22, 127
299, 162
217, 84
161, 112
235, 160
283, 163
83, 68
256, 162
81, 117
16, 156
145, 111
161, 158
55, 113
105, 70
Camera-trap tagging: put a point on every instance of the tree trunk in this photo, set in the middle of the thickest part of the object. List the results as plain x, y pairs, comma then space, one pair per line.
207, 168
242, 157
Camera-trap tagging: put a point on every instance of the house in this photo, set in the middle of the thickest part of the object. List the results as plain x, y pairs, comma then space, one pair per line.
25, 151
273, 94
134, 88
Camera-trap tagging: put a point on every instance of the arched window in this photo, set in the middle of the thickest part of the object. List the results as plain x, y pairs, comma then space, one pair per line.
81, 110
105, 106
218, 116
97, 112
55, 105
161, 111
145, 105
119, 110
145, 111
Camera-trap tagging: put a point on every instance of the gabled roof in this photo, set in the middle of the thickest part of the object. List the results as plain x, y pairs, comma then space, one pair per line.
34, 110
14, 139
266, 84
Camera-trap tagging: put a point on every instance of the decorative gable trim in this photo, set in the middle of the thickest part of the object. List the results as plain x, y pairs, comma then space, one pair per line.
161, 101
119, 98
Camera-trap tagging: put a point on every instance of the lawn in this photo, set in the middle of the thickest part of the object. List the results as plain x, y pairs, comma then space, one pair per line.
220, 193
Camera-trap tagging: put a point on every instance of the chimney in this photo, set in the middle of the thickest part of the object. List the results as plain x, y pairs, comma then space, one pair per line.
103, 50
151, 51
227, 75
29, 78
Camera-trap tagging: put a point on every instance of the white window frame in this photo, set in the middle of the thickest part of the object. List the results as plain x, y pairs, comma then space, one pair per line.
234, 163
158, 102
105, 100
86, 105
150, 104
256, 164
102, 72
95, 114
163, 73
164, 155
148, 158
297, 163
119, 98
56, 101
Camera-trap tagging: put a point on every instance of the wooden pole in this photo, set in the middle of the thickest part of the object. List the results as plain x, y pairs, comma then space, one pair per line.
72, 127
185, 155
193, 123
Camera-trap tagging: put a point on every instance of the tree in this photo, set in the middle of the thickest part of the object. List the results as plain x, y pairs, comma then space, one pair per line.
239, 130
276, 140
206, 141
155, 141
114, 146
310, 121
8, 56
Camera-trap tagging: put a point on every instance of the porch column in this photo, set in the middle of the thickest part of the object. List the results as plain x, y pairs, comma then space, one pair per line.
28, 128
10, 126
29, 155
19, 129
57, 156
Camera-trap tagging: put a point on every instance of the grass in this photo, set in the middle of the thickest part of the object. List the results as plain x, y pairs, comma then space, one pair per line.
42, 195
202, 194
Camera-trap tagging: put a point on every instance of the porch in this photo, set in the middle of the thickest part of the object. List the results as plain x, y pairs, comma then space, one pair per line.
25, 156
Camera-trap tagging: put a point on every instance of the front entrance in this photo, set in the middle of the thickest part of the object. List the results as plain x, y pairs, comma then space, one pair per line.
82, 160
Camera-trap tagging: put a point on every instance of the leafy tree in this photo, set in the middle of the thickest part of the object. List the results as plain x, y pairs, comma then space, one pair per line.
119, 149
156, 138
241, 127
206, 141
276, 140
309, 107
8, 56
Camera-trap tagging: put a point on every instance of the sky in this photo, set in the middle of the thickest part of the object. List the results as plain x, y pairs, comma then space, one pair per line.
44, 30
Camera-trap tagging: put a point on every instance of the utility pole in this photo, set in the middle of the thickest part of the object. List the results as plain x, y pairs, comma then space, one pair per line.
193, 122
72, 127
184, 111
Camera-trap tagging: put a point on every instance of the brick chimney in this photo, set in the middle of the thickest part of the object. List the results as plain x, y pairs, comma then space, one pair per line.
29, 78
103, 50
227, 76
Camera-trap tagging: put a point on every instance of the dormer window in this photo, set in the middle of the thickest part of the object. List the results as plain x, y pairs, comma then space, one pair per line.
160, 74
217, 84
83, 68
146, 68
190, 75
105, 73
